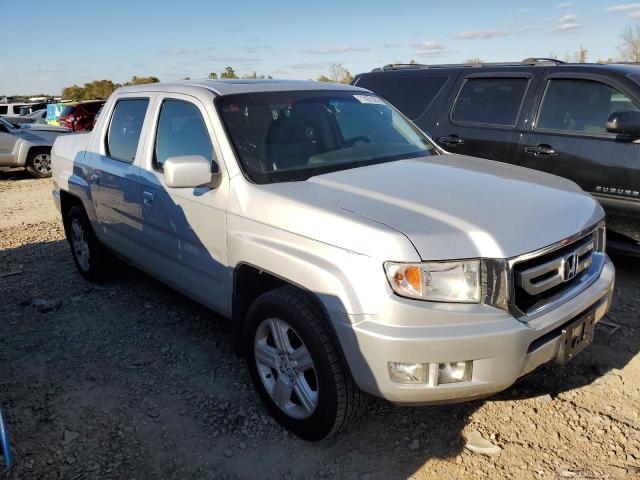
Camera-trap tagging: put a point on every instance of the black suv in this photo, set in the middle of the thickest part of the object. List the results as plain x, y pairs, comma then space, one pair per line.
579, 121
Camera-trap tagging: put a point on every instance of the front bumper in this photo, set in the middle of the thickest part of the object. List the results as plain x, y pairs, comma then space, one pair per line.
502, 348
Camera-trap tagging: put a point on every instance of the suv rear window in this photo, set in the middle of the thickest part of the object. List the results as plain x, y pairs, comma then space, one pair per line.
492, 101
125, 128
411, 94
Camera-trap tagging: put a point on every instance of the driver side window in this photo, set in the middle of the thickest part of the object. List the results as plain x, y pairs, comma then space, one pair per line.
181, 131
581, 106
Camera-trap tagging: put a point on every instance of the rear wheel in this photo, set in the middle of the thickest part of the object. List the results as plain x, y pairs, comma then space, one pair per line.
39, 163
90, 257
296, 366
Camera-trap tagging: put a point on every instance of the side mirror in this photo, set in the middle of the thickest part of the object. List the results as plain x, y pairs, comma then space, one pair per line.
190, 171
625, 122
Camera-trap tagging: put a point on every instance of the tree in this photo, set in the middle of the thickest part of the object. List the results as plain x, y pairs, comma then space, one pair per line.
73, 92
213, 76
629, 47
474, 61
229, 72
101, 88
337, 74
142, 80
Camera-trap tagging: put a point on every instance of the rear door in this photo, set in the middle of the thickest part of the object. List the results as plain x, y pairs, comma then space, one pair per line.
184, 229
113, 174
483, 114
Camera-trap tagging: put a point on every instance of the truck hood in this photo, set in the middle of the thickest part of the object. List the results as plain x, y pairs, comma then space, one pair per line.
453, 206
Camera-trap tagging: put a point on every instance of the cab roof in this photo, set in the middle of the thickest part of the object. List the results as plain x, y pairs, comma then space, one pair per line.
230, 87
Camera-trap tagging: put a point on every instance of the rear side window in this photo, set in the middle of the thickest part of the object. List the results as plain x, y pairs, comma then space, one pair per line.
125, 128
181, 131
492, 101
3, 109
411, 94
580, 106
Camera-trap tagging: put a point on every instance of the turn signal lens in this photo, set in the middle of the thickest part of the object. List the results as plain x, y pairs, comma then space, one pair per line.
405, 279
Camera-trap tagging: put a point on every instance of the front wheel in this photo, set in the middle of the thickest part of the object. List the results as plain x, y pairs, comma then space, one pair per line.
39, 163
296, 366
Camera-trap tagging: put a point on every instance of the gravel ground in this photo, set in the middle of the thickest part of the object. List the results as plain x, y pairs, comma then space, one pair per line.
132, 380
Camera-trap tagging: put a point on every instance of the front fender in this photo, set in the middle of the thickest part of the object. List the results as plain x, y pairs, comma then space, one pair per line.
344, 281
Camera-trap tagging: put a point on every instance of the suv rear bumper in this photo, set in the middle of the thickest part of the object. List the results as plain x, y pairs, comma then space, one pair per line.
501, 347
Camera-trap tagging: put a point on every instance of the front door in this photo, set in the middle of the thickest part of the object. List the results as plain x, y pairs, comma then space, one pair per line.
569, 138
184, 229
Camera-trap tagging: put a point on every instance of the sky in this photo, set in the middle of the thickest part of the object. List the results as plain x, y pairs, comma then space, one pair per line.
57, 43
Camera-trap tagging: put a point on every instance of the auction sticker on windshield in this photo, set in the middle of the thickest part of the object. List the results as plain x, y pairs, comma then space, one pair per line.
369, 99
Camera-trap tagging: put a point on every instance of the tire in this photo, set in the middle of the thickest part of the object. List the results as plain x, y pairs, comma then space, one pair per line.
39, 163
319, 401
89, 255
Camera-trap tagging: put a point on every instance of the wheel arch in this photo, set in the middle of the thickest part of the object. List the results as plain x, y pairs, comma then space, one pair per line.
249, 282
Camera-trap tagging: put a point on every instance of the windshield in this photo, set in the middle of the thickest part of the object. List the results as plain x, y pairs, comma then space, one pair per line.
289, 136
68, 110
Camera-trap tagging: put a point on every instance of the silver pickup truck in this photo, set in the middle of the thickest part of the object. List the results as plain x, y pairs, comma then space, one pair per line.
351, 254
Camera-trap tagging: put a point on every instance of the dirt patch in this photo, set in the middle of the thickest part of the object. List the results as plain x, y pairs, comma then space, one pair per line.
130, 379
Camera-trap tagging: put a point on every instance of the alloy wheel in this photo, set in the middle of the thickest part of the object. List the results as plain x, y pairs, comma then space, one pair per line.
286, 368
42, 163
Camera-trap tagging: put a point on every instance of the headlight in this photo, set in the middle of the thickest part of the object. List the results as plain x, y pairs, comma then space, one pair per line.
457, 282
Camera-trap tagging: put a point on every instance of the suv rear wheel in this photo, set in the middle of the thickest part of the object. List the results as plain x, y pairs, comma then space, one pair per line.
296, 366
39, 163
90, 257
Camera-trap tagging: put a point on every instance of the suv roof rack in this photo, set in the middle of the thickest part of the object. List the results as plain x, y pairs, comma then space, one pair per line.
526, 61
536, 60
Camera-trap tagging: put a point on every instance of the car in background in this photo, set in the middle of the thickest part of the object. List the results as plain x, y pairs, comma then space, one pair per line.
11, 109
39, 116
28, 146
54, 110
29, 109
79, 116
578, 121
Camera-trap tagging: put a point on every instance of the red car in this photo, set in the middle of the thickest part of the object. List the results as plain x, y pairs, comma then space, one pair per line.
79, 116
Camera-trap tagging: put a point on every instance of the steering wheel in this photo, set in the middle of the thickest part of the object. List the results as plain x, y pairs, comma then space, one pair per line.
354, 140
250, 150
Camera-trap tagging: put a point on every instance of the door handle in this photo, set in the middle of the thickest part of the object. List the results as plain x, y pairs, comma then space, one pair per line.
94, 177
451, 140
540, 150
147, 198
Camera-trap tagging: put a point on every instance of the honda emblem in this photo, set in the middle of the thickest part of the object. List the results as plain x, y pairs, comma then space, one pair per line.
569, 266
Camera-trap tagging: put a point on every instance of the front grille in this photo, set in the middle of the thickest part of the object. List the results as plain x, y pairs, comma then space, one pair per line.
553, 274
